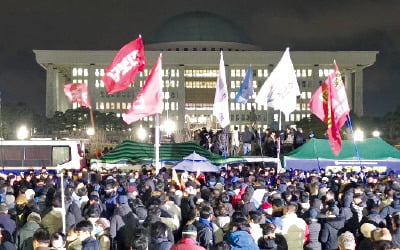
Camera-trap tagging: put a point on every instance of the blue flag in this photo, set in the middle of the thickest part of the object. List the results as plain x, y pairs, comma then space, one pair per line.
246, 89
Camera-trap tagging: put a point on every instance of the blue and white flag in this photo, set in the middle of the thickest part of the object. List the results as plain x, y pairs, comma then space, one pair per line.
281, 89
221, 105
246, 89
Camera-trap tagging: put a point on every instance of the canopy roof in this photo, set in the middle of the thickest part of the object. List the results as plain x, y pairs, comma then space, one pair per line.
369, 149
134, 152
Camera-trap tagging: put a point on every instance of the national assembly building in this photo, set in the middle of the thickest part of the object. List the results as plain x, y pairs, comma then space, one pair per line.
190, 45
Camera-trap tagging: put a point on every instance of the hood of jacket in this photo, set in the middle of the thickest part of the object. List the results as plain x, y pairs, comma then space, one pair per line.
335, 222
240, 239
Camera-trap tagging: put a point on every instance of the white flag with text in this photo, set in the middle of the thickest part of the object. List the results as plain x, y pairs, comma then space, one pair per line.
281, 89
221, 105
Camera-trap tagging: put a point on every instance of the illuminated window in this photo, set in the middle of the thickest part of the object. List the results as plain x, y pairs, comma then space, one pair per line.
291, 117
166, 105
248, 106
243, 107
298, 117
74, 72
107, 105
232, 106
128, 106
265, 72
233, 73
276, 117
101, 83
232, 95
172, 105
309, 72
259, 72
123, 105
101, 105
309, 95
85, 72
112, 105
118, 105
97, 84
166, 95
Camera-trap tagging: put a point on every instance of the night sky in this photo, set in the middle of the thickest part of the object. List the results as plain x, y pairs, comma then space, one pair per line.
272, 25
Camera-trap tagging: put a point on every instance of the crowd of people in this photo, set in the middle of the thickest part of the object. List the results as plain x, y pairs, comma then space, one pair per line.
244, 206
252, 141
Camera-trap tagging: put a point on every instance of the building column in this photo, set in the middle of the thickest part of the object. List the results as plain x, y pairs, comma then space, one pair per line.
92, 85
348, 86
181, 97
62, 104
358, 108
51, 93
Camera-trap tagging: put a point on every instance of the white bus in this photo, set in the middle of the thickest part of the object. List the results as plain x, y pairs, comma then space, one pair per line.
19, 156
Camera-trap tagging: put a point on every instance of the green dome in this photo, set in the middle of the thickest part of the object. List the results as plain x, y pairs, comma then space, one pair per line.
199, 26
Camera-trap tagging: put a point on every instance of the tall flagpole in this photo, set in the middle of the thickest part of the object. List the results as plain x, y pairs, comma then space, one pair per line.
350, 125
157, 143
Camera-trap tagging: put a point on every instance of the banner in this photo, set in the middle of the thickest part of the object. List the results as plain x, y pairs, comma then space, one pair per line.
128, 62
77, 92
149, 100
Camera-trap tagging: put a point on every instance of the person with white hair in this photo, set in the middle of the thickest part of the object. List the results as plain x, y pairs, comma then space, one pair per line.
346, 241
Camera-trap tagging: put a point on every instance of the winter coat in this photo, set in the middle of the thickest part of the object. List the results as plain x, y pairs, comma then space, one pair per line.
24, 235
246, 208
123, 225
267, 244
241, 240
52, 221
160, 244
389, 210
7, 223
73, 215
187, 244
331, 228
396, 238
314, 228
205, 235
374, 218
90, 244
294, 230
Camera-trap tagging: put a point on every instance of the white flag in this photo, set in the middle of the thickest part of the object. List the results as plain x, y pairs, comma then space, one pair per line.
281, 89
221, 105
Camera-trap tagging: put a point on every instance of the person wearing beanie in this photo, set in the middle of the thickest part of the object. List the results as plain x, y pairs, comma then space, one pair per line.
188, 241
24, 234
346, 241
330, 228
52, 221
102, 232
22, 210
7, 222
314, 229
124, 223
365, 242
294, 228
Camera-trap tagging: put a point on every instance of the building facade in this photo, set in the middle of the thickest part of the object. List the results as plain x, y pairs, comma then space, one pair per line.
190, 66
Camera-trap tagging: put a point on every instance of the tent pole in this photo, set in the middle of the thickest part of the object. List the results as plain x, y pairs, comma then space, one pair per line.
157, 143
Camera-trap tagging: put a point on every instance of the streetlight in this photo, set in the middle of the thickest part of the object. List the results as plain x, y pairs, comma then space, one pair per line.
90, 131
358, 135
376, 133
169, 127
22, 133
141, 133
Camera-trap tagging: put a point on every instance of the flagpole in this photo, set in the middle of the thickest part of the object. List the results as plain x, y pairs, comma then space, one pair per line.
350, 125
157, 143
91, 118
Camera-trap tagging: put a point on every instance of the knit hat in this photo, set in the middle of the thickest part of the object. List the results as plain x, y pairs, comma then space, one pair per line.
122, 199
21, 199
29, 194
381, 234
366, 229
103, 222
266, 205
189, 230
313, 213
3, 208
34, 217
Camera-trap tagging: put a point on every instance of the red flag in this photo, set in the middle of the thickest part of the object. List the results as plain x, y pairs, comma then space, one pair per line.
149, 100
329, 104
77, 92
128, 62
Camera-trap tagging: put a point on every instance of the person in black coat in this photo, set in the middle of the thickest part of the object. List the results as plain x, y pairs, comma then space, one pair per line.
245, 206
314, 229
396, 230
6, 222
331, 228
84, 229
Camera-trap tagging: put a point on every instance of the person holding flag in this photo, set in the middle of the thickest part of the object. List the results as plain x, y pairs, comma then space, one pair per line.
329, 103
